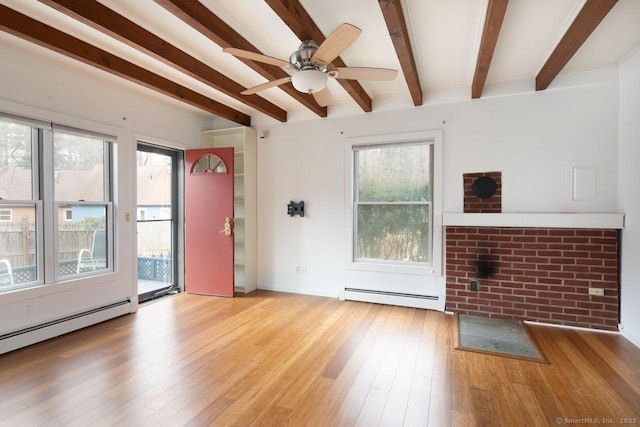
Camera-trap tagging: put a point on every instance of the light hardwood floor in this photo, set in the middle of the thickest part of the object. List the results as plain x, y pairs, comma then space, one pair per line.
274, 359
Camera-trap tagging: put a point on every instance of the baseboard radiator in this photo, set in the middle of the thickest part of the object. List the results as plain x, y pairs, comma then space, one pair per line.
431, 302
33, 334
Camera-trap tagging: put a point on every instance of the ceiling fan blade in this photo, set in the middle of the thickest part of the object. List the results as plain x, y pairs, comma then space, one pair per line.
363, 73
264, 86
337, 41
256, 57
323, 97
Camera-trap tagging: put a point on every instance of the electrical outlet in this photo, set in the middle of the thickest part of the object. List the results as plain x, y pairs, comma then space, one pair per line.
596, 291
474, 286
303, 269
297, 269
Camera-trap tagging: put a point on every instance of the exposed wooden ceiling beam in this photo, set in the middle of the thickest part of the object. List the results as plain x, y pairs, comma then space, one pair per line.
203, 20
592, 13
397, 26
43, 35
103, 19
492, 24
299, 21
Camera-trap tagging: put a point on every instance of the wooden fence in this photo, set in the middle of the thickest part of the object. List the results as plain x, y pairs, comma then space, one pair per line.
18, 243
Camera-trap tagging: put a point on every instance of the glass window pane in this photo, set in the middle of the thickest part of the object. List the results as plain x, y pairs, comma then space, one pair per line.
154, 253
15, 161
18, 260
393, 233
393, 174
209, 163
154, 186
82, 242
78, 168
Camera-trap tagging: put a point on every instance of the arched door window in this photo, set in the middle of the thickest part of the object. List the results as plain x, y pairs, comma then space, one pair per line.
209, 163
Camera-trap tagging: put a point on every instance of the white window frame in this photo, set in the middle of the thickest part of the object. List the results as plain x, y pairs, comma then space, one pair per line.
68, 215
46, 207
38, 133
3, 213
435, 245
52, 208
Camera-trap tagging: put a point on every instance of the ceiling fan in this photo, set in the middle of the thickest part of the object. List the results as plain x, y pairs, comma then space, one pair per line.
310, 66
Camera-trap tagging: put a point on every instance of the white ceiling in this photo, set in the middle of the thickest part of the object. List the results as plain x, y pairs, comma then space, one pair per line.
445, 37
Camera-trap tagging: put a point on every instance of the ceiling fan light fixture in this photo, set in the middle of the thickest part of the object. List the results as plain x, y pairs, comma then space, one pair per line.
309, 81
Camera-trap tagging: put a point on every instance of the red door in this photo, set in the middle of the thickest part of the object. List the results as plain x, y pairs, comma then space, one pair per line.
209, 221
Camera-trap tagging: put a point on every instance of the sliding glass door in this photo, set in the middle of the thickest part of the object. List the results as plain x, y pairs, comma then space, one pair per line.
158, 172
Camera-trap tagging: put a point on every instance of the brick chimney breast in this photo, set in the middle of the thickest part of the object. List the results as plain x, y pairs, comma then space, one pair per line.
475, 204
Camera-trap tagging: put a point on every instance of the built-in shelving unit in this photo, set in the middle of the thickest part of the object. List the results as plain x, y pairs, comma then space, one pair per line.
243, 140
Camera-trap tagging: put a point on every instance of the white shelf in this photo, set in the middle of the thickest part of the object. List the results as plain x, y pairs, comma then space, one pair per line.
535, 220
244, 142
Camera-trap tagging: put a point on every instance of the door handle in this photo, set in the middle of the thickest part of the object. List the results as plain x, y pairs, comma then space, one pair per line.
228, 227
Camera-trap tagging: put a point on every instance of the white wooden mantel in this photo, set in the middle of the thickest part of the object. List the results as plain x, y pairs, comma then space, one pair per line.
535, 220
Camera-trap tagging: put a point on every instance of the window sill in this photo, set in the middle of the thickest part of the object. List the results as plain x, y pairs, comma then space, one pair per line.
393, 268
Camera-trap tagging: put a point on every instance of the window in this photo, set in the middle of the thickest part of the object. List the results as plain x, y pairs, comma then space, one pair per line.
5, 215
81, 185
56, 182
392, 200
19, 235
209, 163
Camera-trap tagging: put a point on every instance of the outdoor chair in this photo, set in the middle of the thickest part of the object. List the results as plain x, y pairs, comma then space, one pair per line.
96, 257
6, 273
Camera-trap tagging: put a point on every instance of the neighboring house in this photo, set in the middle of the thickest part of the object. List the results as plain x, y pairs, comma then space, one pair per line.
152, 185
17, 182
71, 186
154, 192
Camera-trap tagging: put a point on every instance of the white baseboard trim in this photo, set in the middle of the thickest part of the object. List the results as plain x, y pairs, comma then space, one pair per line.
577, 328
429, 302
404, 300
633, 339
19, 339
303, 291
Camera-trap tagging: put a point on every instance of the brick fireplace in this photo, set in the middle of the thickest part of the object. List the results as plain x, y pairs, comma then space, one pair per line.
534, 272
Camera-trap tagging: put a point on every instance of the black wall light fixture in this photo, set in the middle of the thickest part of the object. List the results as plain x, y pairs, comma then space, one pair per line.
294, 208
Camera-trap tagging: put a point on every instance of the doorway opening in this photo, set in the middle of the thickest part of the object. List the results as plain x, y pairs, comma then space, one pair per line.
159, 218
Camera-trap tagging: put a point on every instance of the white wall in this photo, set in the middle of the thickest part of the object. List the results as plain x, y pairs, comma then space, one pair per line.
39, 87
532, 138
628, 196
